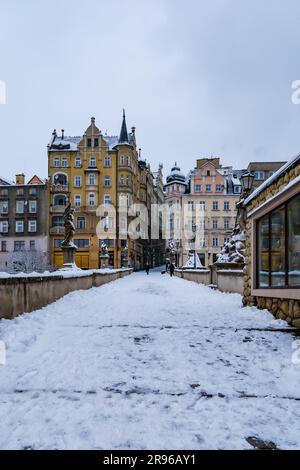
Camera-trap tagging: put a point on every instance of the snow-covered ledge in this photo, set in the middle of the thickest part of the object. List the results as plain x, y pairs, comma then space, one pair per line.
21, 292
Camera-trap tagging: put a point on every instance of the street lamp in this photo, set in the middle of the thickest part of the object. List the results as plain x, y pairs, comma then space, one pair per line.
247, 182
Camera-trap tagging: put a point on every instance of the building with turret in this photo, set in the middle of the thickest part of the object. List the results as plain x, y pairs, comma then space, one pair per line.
92, 170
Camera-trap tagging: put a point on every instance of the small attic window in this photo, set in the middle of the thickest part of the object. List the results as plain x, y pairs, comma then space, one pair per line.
96, 142
208, 172
89, 142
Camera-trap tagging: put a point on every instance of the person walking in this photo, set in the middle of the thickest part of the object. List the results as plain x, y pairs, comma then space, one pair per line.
147, 268
171, 269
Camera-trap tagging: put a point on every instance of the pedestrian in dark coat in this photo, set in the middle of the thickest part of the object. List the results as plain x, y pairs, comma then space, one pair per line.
171, 269
147, 268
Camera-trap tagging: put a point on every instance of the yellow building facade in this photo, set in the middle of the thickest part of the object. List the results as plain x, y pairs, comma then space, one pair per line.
92, 170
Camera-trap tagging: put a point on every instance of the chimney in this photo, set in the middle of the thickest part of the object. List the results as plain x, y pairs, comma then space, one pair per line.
62, 134
140, 153
54, 132
20, 179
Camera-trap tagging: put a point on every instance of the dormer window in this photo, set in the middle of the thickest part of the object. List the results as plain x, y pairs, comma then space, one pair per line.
89, 142
208, 173
96, 142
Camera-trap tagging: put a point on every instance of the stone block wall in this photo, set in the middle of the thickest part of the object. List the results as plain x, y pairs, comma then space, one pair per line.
22, 294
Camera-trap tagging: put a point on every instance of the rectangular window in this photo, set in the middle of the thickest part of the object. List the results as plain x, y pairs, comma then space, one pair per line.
4, 226
4, 192
77, 200
78, 162
80, 223
208, 188
259, 175
32, 245
19, 246
32, 192
3, 245
92, 163
226, 224
32, 225
122, 160
202, 205
226, 206
219, 188
20, 226
215, 224
20, 207
56, 162
215, 241
107, 199
107, 162
198, 188
4, 207
20, 192
190, 205
32, 207
91, 200
77, 181
89, 142
278, 247
215, 206
57, 221
96, 142
293, 215
91, 179
82, 242
107, 181
64, 162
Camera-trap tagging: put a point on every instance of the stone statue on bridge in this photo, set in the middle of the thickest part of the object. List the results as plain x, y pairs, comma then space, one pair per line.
69, 226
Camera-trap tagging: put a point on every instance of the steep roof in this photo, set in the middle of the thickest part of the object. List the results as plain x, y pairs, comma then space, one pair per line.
36, 180
123, 139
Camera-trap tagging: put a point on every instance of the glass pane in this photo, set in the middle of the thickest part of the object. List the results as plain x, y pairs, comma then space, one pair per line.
294, 242
263, 252
277, 249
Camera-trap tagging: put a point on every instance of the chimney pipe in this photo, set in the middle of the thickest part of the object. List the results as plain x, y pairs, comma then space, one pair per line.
62, 134
20, 179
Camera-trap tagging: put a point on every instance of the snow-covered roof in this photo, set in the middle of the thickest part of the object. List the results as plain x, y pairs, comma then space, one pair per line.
294, 161
66, 143
176, 175
5, 181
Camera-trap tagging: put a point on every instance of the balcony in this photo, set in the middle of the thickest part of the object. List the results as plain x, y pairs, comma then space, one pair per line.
57, 231
59, 188
59, 209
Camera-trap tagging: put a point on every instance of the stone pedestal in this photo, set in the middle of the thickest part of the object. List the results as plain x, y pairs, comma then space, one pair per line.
69, 257
104, 261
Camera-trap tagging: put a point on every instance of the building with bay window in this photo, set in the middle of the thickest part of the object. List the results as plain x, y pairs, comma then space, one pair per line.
272, 272
96, 169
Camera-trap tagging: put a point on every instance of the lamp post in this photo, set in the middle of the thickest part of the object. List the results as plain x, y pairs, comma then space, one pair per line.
194, 228
247, 184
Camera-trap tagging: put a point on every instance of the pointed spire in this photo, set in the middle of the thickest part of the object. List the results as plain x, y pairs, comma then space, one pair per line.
123, 134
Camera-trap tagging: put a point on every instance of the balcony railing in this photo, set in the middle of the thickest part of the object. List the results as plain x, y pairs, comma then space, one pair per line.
58, 209
57, 231
60, 188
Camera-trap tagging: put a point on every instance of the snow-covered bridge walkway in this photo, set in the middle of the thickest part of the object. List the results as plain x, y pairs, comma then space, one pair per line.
148, 362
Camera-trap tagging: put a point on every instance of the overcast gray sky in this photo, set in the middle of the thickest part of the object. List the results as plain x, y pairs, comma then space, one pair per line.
197, 77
